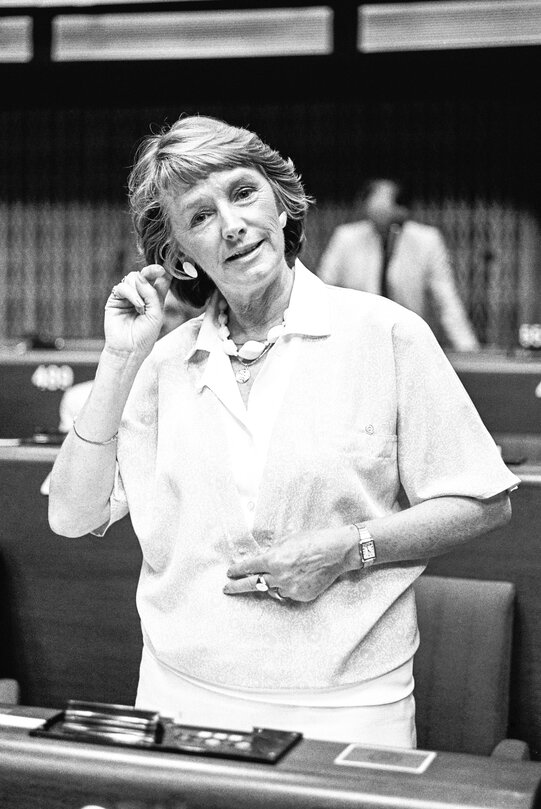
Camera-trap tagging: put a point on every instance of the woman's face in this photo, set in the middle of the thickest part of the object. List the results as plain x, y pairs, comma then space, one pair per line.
228, 225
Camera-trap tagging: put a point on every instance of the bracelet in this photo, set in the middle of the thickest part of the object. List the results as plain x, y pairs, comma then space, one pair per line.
367, 546
96, 443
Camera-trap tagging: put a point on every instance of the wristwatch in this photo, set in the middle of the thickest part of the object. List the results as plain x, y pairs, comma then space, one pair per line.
367, 546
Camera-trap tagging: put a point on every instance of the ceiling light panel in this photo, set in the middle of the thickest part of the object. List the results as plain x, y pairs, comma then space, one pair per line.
193, 35
15, 39
448, 25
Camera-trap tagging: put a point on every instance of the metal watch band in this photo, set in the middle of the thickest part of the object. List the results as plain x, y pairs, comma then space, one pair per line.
367, 546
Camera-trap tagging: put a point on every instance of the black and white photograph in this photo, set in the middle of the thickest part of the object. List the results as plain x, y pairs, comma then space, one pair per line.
270, 404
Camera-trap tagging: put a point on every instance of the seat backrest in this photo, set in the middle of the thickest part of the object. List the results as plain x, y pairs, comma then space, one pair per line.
462, 666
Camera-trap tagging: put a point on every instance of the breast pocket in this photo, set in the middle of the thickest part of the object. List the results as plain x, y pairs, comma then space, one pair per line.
364, 453
370, 467
369, 443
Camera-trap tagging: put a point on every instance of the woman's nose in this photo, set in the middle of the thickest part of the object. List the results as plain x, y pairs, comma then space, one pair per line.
233, 225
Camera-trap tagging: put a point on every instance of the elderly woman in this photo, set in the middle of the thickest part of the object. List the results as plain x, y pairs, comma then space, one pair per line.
290, 459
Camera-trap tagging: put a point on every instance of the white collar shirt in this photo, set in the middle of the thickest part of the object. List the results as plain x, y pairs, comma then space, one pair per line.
344, 396
249, 428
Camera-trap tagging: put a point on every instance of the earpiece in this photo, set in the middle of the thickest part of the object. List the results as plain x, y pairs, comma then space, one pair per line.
283, 219
189, 269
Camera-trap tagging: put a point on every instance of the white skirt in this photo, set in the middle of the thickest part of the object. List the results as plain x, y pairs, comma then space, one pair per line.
161, 689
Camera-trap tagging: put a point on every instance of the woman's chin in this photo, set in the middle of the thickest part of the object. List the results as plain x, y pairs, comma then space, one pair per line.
263, 271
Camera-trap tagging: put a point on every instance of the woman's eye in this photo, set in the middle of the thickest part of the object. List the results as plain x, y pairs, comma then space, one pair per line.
245, 192
199, 218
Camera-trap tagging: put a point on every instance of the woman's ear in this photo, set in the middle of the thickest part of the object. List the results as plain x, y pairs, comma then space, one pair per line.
283, 219
176, 265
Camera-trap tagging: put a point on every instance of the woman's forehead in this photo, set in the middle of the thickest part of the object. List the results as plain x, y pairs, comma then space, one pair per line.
188, 195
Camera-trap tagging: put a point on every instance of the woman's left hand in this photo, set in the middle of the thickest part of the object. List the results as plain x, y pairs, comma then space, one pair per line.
299, 566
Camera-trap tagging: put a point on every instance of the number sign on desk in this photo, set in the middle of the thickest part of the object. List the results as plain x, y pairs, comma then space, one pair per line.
53, 377
32, 386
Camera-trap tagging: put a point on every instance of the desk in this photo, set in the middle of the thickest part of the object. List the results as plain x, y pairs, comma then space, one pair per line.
55, 774
505, 390
502, 388
32, 385
67, 606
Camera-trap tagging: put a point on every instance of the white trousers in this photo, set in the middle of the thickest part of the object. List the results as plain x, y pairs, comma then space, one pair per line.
160, 689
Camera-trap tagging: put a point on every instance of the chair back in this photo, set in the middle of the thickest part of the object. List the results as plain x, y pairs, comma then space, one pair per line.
462, 666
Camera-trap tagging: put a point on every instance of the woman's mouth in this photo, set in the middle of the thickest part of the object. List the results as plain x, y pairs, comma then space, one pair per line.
243, 252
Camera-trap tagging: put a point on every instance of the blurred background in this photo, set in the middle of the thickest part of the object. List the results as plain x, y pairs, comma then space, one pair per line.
440, 95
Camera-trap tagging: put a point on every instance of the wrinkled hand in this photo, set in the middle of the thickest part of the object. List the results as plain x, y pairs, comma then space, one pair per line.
299, 566
134, 310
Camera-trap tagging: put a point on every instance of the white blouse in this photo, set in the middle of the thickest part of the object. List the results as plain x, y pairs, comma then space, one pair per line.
356, 405
248, 430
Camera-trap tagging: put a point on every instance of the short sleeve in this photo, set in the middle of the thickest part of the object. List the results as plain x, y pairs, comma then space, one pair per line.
443, 446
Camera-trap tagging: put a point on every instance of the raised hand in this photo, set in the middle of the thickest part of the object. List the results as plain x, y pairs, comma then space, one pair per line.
134, 310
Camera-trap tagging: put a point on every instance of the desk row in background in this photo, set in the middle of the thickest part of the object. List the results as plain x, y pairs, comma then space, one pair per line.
506, 391
32, 386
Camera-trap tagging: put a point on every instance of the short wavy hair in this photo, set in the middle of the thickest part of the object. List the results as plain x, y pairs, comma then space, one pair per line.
187, 152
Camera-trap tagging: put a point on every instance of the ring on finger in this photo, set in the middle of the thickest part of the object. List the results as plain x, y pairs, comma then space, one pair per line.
274, 593
261, 584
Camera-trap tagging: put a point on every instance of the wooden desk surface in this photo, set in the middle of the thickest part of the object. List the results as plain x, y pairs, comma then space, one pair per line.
490, 361
53, 774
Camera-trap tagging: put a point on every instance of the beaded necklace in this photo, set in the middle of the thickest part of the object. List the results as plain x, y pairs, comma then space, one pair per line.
252, 350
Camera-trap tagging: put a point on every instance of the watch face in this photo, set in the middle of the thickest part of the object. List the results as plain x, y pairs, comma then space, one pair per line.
368, 551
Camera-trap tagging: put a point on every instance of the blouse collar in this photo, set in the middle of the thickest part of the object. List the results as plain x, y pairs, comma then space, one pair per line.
307, 313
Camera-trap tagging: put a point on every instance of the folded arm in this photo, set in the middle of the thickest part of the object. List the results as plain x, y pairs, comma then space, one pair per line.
303, 565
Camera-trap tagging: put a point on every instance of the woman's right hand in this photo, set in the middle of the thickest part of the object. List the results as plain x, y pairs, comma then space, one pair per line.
134, 311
